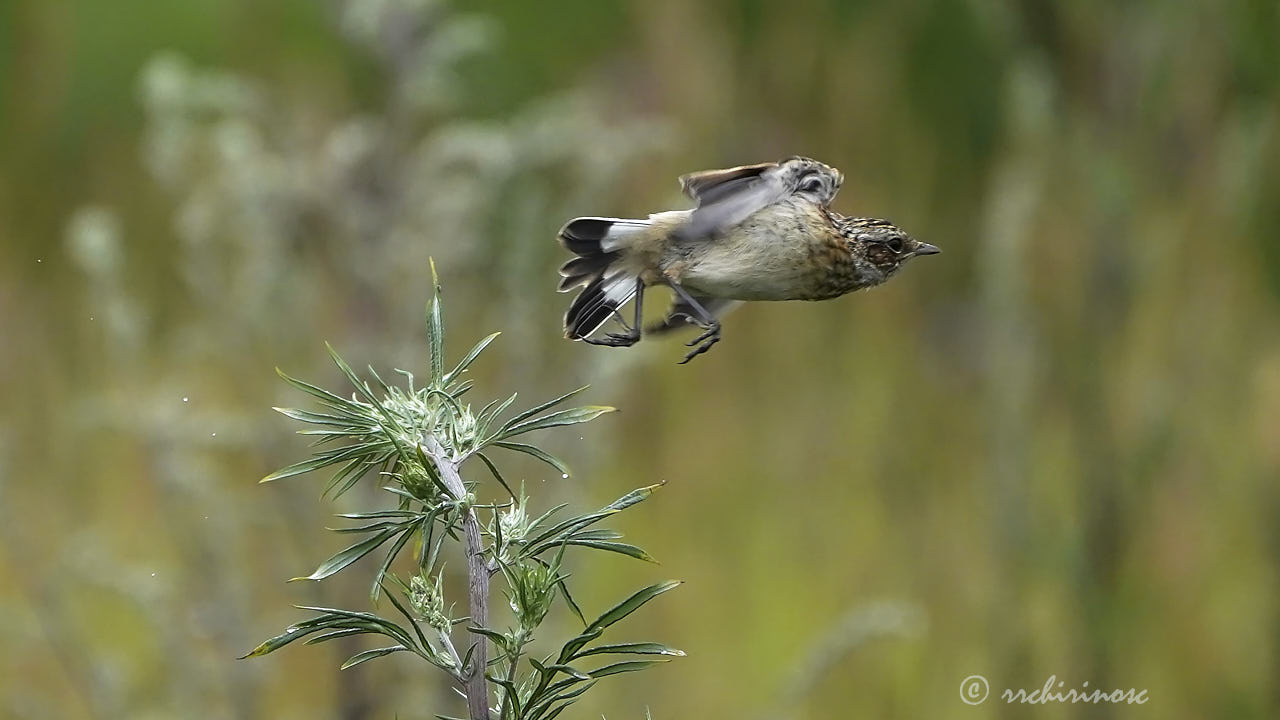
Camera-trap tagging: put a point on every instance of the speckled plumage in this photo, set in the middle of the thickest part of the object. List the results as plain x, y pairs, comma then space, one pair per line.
759, 232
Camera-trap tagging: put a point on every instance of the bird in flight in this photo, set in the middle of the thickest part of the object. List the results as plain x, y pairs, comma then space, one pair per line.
758, 232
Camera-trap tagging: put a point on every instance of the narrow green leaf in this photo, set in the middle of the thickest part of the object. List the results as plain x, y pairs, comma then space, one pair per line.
567, 670
635, 496
624, 667
498, 638
577, 611
371, 527
371, 654
435, 330
322, 459
361, 386
327, 436
546, 516
620, 548
572, 416
348, 423
470, 357
401, 492
574, 645
334, 635
601, 534
466, 658
572, 694
382, 384
511, 695
408, 377
298, 468
346, 556
347, 477
413, 623
277, 642
539, 453
390, 426
336, 402
405, 535
639, 648
539, 666
556, 534
546, 706
431, 550
402, 514
366, 450
633, 603
547, 694
490, 413
353, 618
555, 712
493, 470
613, 615
489, 406
526, 414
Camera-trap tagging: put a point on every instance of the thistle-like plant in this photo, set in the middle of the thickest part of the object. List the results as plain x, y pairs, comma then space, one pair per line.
417, 440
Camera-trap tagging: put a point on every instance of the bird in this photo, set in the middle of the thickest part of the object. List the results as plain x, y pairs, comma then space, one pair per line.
757, 233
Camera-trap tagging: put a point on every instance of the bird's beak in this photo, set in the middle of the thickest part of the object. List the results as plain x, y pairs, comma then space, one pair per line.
927, 249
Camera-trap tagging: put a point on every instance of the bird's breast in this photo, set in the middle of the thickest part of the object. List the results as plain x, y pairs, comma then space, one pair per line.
783, 253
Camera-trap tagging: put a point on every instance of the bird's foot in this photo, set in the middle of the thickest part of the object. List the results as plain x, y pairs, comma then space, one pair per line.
703, 342
630, 335
626, 339
617, 316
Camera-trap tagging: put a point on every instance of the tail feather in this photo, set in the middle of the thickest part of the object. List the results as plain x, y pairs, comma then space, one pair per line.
582, 270
598, 243
588, 236
597, 302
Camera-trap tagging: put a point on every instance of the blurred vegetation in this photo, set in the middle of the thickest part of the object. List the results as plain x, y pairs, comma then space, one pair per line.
1054, 450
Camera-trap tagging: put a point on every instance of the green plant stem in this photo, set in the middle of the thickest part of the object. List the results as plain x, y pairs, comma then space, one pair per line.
447, 642
476, 686
506, 693
513, 661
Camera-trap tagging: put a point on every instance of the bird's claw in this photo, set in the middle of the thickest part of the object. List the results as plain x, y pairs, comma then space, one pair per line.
623, 322
626, 339
622, 339
703, 342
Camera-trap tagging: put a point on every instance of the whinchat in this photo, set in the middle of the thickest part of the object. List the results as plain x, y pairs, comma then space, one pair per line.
759, 232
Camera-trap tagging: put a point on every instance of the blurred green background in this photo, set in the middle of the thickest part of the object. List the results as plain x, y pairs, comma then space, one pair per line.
1052, 450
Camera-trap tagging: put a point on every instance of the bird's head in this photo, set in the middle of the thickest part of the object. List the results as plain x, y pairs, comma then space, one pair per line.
881, 246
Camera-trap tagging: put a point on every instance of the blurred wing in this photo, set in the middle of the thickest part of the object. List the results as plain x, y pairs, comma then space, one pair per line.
705, 186
727, 197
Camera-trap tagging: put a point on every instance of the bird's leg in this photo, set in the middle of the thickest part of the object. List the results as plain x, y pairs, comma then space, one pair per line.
632, 334
622, 321
703, 319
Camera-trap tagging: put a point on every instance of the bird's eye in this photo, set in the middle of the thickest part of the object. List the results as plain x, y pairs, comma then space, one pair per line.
813, 184
895, 244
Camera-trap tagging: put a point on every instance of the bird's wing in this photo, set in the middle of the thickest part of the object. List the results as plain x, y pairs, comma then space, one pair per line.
705, 186
681, 313
727, 197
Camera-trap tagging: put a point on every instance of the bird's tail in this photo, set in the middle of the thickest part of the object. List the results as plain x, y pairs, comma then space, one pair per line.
599, 244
